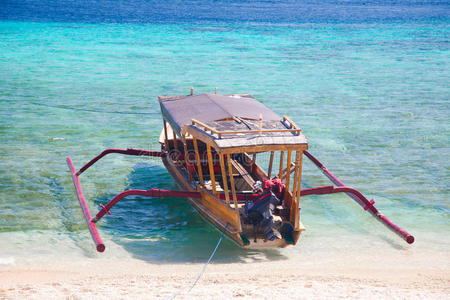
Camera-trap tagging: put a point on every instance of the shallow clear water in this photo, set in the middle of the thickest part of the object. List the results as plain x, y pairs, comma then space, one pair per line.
370, 91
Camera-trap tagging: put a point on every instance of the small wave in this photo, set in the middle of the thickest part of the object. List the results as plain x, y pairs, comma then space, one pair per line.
146, 239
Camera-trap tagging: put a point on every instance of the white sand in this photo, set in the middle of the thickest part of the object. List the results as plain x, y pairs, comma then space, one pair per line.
398, 275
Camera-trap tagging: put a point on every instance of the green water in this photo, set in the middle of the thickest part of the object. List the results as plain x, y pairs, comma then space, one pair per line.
372, 99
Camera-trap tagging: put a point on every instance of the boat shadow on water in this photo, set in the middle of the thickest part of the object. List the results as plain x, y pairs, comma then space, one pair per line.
168, 229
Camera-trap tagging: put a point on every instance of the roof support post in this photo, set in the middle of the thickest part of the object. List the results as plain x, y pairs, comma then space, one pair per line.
175, 145
295, 187
233, 191
280, 173
199, 163
297, 198
288, 174
166, 137
253, 162
211, 170
269, 172
224, 178
186, 158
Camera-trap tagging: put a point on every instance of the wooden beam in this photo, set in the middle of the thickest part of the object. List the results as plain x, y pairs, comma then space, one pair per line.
166, 137
290, 122
211, 170
175, 145
199, 163
269, 173
262, 148
224, 178
220, 133
209, 139
200, 135
294, 191
253, 163
297, 202
186, 158
233, 190
288, 173
243, 172
280, 173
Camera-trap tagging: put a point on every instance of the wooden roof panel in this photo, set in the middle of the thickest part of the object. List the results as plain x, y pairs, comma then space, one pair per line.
230, 122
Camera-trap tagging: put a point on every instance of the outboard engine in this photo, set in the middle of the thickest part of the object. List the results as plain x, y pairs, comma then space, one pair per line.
260, 214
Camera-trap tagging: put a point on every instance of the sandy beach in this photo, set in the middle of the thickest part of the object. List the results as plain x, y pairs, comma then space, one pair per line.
397, 276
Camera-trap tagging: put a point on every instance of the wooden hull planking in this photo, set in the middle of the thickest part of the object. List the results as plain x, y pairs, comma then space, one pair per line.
220, 215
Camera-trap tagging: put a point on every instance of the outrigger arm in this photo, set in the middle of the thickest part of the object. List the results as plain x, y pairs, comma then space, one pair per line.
160, 193
357, 196
84, 207
128, 151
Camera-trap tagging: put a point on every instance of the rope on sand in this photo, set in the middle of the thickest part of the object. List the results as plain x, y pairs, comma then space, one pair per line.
194, 282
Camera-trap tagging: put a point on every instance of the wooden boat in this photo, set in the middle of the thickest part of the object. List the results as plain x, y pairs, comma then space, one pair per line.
238, 163
226, 141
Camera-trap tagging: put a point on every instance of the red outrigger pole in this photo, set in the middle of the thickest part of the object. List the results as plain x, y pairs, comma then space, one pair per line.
84, 207
358, 197
87, 214
323, 190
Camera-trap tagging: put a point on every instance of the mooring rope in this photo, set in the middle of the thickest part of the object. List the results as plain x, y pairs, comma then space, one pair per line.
93, 110
194, 282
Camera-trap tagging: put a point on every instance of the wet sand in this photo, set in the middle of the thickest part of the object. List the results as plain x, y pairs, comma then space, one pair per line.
396, 276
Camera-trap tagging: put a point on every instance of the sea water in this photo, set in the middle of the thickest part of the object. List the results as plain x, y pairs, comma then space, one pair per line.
368, 83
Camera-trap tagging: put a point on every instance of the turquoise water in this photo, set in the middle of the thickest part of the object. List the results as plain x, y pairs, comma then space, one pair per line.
371, 97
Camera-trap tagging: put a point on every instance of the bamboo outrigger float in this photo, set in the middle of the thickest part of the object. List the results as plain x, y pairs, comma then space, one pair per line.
239, 165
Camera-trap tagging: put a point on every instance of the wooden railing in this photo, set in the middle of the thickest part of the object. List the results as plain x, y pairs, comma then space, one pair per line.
293, 128
290, 122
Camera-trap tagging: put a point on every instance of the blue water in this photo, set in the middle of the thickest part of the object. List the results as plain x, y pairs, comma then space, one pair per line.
368, 82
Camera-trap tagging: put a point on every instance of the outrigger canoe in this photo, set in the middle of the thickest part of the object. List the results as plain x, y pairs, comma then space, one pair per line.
239, 165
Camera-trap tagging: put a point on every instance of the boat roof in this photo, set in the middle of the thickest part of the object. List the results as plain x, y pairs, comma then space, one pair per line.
230, 122
212, 107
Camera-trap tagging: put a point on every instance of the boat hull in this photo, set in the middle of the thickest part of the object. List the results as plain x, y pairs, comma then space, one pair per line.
207, 211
